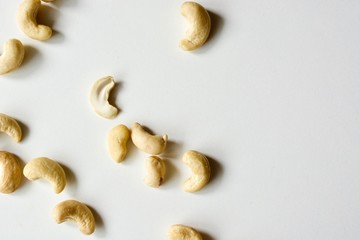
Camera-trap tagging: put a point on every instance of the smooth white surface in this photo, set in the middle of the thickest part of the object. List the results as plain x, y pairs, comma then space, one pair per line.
273, 98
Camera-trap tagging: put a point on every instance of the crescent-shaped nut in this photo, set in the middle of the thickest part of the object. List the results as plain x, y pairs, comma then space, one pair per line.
152, 144
182, 232
12, 56
200, 168
72, 210
11, 127
199, 26
117, 140
10, 172
99, 95
47, 169
26, 18
156, 170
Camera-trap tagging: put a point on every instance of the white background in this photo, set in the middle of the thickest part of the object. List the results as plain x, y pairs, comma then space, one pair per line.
272, 98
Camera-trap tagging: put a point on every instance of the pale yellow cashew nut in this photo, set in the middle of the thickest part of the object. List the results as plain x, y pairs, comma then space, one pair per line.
200, 168
11, 127
117, 140
26, 18
12, 56
182, 232
10, 172
199, 26
156, 170
152, 144
47, 169
72, 210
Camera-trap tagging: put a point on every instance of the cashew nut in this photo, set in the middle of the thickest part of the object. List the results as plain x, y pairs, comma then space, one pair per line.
182, 232
199, 28
11, 127
12, 57
47, 169
200, 168
156, 171
99, 97
152, 144
26, 18
117, 140
75, 211
10, 172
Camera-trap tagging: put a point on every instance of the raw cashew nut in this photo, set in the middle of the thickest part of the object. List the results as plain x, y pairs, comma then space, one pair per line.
152, 144
12, 57
10, 172
117, 140
47, 169
200, 24
26, 18
156, 171
200, 168
11, 127
182, 232
99, 97
75, 211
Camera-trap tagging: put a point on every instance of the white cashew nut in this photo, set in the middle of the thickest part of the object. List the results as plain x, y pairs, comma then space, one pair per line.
12, 57
11, 127
182, 232
99, 97
200, 168
75, 211
152, 144
156, 170
10, 172
47, 169
200, 24
26, 18
117, 140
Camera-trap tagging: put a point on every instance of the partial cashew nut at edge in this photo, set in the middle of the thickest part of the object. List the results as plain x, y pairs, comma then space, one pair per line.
117, 140
182, 232
200, 167
199, 26
152, 144
11, 127
47, 169
156, 170
75, 211
26, 18
12, 56
10, 172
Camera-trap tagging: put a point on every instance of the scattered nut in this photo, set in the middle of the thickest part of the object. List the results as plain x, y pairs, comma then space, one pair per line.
26, 18
199, 28
11, 127
152, 144
10, 172
12, 57
156, 171
182, 232
47, 169
75, 211
200, 168
117, 140
99, 97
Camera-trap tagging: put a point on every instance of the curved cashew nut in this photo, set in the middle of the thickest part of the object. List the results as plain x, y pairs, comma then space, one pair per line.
200, 24
152, 144
12, 57
156, 171
11, 127
200, 168
47, 169
117, 140
99, 97
10, 172
75, 211
26, 18
182, 232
